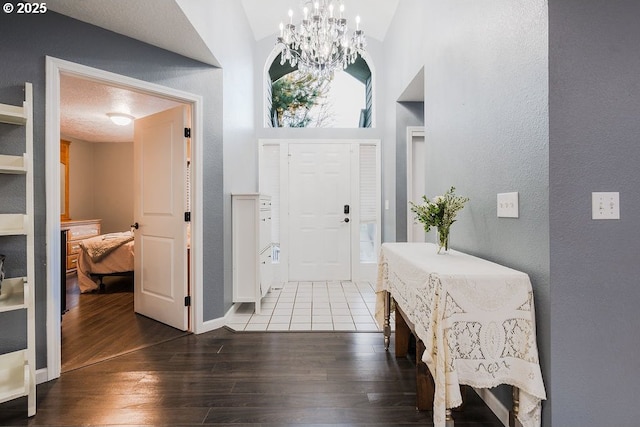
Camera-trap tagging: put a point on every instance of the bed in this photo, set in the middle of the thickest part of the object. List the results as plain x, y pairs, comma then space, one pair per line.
105, 255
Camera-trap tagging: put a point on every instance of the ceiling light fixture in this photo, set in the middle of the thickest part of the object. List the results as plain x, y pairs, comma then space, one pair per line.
120, 119
320, 45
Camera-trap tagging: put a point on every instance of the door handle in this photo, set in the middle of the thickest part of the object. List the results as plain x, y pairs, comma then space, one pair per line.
135, 225
345, 220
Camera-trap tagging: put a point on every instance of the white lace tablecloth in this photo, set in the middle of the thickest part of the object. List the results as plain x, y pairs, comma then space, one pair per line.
476, 319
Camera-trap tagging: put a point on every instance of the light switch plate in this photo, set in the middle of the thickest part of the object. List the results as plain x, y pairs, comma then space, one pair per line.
508, 205
605, 205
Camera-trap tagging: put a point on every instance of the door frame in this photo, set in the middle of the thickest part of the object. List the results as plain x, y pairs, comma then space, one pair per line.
359, 271
54, 68
413, 132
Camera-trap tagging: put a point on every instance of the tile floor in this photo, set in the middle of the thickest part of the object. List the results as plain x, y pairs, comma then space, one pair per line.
311, 306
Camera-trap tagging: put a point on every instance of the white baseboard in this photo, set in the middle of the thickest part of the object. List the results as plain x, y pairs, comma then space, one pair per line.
42, 376
212, 325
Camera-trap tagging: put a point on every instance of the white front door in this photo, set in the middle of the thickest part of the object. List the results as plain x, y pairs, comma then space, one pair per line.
160, 284
319, 228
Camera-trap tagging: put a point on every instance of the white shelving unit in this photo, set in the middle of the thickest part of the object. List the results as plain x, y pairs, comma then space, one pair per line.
17, 369
251, 247
12, 164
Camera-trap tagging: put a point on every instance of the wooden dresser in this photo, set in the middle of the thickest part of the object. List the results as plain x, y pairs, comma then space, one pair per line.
75, 232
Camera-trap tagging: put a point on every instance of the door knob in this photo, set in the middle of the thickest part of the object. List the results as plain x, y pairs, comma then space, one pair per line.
135, 225
345, 220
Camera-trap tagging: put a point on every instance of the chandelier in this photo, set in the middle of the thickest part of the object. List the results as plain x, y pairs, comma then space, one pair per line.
320, 45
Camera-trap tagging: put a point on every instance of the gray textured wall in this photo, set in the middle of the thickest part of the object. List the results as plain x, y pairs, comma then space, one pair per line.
486, 130
401, 62
26, 40
594, 107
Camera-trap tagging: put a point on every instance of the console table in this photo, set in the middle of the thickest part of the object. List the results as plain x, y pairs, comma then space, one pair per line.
475, 320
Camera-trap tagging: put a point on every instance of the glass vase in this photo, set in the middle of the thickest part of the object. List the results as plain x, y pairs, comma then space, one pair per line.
443, 240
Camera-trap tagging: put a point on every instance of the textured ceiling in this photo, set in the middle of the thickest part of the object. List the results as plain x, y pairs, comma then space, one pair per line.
84, 105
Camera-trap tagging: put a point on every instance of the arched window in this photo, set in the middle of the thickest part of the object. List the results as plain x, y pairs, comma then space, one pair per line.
294, 99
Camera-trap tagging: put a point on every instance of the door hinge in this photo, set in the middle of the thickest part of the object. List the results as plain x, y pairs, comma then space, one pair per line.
187, 132
187, 217
187, 301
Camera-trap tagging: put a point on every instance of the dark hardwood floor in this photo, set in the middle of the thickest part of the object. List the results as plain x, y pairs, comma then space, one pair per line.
242, 379
98, 326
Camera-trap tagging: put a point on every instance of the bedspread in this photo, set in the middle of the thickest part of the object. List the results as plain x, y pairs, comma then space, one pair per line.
100, 246
118, 260
476, 319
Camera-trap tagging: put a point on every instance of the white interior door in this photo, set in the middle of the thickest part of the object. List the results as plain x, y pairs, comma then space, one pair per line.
160, 284
319, 229
416, 181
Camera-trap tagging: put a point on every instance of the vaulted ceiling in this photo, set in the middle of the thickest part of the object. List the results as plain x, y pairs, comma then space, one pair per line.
158, 21
83, 112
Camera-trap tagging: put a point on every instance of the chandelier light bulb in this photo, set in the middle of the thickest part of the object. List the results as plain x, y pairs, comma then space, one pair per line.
358, 23
290, 16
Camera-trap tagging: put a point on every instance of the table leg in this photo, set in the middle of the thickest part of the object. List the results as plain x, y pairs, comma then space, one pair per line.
402, 334
425, 386
513, 414
448, 420
387, 316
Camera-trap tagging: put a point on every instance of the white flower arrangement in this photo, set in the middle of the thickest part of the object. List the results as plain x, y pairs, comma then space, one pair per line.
440, 212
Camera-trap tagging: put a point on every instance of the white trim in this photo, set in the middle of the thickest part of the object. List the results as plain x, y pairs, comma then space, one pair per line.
54, 68
212, 325
374, 91
354, 196
52, 197
42, 375
283, 266
197, 207
266, 78
359, 271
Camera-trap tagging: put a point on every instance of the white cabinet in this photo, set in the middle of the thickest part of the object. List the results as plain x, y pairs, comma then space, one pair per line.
17, 369
251, 247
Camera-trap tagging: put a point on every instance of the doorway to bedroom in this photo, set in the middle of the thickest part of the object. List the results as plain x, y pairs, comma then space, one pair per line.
110, 173
99, 319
